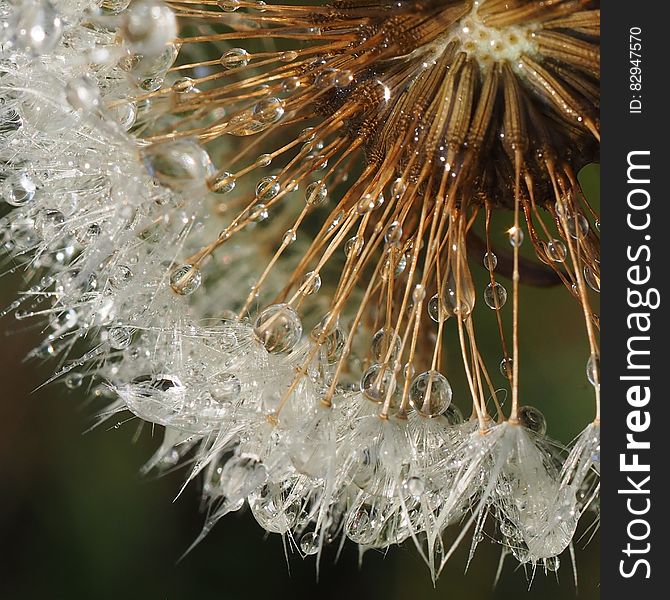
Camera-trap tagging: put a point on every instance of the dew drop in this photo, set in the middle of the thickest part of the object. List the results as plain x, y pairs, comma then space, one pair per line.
495, 295
234, 58
119, 337
490, 261
430, 393
185, 280
515, 236
316, 193
578, 226
278, 328
386, 344
225, 387
556, 250
267, 188
311, 283
533, 419
309, 543
377, 382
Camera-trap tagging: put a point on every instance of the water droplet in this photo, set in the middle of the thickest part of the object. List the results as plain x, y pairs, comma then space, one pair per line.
453, 415
490, 261
578, 226
434, 309
288, 56
457, 302
36, 27
418, 293
533, 419
506, 367
353, 247
185, 280
593, 371
267, 188
290, 84
369, 202
309, 543
393, 233
225, 387
430, 393
316, 193
258, 213
415, 486
74, 380
235, 58
556, 250
552, 563
180, 164
278, 328
269, 110
312, 283
386, 344
148, 26
495, 295
398, 188
378, 382
119, 338
19, 191
183, 85
592, 278
222, 183
289, 237
229, 5
515, 236
264, 160
83, 94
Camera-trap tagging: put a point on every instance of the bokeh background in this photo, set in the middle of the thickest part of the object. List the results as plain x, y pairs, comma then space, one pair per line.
77, 520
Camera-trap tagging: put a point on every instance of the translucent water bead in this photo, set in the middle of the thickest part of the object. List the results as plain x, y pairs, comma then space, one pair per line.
515, 236
316, 193
179, 164
278, 328
578, 226
148, 26
119, 338
430, 393
18, 190
225, 387
83, 94
234, 58
490, 261
309, 543
495, 295
533, 419
35, 27
311, 283
457, 302
377, 383
267, 188
185, 280
593, 371
386, 345
556, 250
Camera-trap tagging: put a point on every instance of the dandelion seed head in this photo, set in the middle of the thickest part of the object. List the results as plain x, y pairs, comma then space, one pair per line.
260, 247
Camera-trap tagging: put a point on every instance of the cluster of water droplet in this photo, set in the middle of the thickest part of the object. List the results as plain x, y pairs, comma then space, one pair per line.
101, 222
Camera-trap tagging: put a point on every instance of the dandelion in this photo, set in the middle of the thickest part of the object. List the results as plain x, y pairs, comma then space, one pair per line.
254, 223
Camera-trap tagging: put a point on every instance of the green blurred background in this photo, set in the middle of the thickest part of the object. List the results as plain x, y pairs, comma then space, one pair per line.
77, 521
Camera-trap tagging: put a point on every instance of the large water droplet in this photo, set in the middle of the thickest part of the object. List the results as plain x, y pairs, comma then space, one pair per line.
430, 393
278, 328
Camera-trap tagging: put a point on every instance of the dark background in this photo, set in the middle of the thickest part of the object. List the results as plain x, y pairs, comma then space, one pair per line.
77, 520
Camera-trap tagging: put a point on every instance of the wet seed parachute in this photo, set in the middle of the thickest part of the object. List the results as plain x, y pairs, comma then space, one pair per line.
254, 224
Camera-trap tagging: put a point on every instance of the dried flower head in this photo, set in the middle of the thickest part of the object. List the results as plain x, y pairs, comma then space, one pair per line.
254, 224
